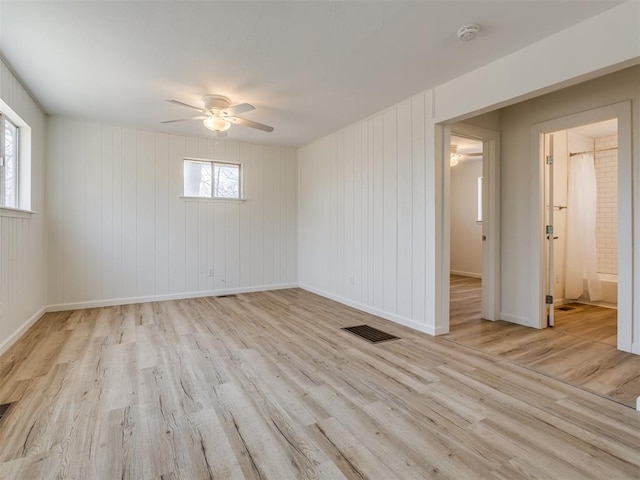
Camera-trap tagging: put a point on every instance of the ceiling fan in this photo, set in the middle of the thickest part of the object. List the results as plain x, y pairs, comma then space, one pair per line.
218, 114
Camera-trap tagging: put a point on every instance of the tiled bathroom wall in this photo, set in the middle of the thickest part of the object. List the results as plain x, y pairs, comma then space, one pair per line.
606, 161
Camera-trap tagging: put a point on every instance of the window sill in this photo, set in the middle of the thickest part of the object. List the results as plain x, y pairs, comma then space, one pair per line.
15, 212
217, 200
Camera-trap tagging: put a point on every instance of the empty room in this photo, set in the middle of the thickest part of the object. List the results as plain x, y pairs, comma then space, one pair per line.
378, 239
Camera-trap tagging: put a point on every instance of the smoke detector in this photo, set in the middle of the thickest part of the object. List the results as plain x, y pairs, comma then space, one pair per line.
468, 32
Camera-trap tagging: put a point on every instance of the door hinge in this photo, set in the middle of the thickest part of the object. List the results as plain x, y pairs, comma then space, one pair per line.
549, 159
549, 299
549, 229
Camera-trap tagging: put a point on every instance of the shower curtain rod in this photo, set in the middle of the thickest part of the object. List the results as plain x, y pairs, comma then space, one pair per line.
593, 151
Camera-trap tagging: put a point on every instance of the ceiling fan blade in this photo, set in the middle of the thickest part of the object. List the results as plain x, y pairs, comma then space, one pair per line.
187, 105
184, 119
250, 123
239, 108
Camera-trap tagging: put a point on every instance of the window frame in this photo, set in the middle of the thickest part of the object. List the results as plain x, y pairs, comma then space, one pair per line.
23, 208
213, 164
3, 162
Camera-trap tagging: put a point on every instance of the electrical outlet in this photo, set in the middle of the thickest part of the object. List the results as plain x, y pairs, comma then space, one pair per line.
210, 272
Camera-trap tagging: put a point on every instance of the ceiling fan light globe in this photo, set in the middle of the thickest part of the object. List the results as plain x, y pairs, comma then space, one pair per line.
216, 124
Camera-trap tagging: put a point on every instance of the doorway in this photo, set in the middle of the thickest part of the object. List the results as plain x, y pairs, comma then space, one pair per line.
470, 241
585, 255
581, 222
466, 191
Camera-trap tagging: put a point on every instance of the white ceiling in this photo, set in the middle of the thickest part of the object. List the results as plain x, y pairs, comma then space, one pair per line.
310, 67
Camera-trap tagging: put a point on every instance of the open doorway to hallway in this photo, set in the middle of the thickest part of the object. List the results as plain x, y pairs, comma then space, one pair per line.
601, 363
471, 238
581, 349
465, 193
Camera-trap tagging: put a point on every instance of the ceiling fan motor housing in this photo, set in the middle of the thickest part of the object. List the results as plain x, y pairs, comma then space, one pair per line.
216, 102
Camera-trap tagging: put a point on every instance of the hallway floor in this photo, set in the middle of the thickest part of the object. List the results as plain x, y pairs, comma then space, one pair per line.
580, 349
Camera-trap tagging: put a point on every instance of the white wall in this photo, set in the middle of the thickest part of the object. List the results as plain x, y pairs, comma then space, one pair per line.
100, 240
466, 232
562, 59
362, 214
119, 231
22, 236
605, 43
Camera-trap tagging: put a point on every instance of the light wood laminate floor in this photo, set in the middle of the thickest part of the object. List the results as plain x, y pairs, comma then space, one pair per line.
580, 349
267, 386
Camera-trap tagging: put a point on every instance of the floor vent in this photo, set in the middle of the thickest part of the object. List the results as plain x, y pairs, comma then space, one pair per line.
226, 296
565, 309
372, 334
4, 410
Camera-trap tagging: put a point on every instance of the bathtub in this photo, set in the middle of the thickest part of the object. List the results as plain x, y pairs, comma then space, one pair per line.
609, 288
609, 284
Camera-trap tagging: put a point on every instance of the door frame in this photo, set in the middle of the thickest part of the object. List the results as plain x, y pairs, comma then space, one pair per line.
622, 112
490, 224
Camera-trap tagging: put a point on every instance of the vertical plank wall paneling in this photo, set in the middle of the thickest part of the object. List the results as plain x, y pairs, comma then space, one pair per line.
23, 274
120, 231
362, 214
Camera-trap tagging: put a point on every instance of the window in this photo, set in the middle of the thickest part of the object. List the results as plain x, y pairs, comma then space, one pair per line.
8, 163
203, 178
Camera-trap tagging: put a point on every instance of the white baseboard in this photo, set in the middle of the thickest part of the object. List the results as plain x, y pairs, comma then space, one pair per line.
13, 338
159, 298
466, 274
407, 322
61, 307
507, 317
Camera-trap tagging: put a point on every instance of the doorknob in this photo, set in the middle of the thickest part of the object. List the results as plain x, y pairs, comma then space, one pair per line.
484, 238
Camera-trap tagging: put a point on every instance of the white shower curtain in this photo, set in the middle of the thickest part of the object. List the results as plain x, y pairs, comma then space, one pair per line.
581, 253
